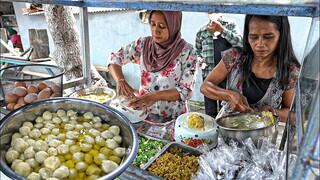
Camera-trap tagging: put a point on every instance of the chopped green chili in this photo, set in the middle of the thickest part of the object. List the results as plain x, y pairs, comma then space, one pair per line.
146, 150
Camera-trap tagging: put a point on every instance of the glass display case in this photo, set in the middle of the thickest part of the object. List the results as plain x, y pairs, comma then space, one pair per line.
302, 127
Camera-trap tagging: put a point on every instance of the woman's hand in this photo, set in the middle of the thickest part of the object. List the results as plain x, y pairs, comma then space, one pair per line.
270, 109
124, 89
267, 108
238, 102
144, 101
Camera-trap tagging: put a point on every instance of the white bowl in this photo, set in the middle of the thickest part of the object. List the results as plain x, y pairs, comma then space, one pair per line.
195, 137
133, 115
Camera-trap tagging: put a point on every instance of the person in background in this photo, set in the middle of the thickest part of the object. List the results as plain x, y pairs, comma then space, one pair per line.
15, 39
211, 39
167, 68
262, 75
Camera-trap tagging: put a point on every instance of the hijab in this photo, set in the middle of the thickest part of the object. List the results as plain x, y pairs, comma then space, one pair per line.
169, 49
11, 31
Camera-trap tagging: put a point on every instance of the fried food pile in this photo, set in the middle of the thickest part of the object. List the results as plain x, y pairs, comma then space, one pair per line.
196, 121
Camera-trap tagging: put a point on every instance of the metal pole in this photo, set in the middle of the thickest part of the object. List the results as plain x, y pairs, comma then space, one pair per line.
84, 33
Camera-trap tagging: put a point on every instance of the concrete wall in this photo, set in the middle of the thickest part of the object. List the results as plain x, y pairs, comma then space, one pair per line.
108, 31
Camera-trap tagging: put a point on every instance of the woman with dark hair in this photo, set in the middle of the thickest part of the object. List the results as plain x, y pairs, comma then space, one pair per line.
262, 75
167, 67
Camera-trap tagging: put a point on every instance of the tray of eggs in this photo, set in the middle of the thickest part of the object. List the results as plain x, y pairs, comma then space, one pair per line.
23, 94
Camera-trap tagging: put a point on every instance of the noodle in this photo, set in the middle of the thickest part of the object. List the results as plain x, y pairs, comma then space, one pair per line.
175, 164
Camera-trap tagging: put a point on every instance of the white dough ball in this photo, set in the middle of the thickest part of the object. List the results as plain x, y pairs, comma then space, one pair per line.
108, 166
23, 169
12, 155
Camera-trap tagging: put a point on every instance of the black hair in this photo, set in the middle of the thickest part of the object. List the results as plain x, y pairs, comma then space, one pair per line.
150, 14
284, 52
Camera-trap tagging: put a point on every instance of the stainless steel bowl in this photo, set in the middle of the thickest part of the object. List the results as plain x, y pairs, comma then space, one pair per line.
240, 135
14, 120
87, 93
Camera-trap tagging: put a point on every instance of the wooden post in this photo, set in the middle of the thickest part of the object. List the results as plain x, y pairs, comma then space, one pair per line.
3, 36
39, 40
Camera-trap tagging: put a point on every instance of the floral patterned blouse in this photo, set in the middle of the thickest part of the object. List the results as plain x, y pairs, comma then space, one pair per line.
273, 96
180, 74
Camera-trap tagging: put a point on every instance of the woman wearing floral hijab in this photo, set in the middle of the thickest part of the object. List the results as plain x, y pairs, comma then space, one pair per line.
167, 67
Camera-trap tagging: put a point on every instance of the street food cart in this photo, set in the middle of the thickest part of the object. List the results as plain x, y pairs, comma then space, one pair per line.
301, 134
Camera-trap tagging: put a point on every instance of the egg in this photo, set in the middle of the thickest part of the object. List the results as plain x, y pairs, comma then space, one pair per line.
47, 89
18, 106
21, 100
41, 86
29, 98
56, 94
55, 88
10, 106
20, 91
44, 94
10, 98
32, 89
20, 83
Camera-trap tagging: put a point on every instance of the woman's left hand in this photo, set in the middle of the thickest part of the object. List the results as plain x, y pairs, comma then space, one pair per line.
144, 101
270, 109
267, 108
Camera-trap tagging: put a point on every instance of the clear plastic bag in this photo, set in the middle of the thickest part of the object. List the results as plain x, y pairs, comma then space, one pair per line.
242, 162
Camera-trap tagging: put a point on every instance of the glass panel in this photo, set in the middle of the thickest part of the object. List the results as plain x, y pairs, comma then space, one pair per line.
306, 110
309, 76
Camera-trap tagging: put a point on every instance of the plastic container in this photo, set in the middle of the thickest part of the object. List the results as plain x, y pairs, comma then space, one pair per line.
34, 82
134, 115
196, 137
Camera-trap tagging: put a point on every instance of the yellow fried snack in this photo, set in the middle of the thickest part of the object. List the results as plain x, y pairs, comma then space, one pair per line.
196, 121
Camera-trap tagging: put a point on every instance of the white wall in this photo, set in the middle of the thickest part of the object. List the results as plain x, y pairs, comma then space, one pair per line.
108, 31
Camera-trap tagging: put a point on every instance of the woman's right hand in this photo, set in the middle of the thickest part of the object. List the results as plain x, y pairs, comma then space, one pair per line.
124, 89
238, 102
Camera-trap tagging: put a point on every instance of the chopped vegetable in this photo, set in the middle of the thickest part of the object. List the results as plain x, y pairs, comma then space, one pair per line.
147, 149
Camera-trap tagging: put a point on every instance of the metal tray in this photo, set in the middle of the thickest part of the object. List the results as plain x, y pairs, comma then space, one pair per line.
165, 142
186, 149
153, 138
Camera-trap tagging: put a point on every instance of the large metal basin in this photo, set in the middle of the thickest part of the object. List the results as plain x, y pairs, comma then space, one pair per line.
239, 135
11, 123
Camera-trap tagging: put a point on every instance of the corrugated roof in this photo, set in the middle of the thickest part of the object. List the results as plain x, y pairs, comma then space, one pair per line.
90, 10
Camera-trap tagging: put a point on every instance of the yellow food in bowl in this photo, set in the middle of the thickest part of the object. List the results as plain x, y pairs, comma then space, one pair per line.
96, 97
196, 121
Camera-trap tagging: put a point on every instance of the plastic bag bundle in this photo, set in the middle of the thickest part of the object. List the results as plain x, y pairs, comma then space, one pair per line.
251, 171
205, 172
242, 162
